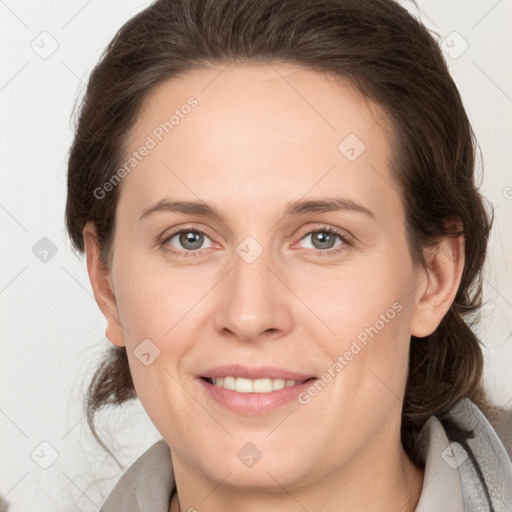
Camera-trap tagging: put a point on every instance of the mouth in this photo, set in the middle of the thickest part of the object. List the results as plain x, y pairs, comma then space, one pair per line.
250, 390
245, 385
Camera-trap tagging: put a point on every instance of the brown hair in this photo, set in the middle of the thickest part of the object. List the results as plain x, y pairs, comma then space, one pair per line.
388, 56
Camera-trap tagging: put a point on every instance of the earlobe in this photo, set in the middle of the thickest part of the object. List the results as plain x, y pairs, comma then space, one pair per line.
440, 282
101, 283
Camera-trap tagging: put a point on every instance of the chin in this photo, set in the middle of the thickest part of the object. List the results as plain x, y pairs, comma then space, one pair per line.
252, 465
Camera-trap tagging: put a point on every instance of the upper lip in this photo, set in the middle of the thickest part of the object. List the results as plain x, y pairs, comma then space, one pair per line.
271, 372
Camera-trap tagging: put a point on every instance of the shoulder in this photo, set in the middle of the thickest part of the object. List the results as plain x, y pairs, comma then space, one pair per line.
468, 463
493, 421
146, 485
501, 420
481, 453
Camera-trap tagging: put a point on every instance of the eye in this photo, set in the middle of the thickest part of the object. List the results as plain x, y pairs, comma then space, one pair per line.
323, 241
188, 242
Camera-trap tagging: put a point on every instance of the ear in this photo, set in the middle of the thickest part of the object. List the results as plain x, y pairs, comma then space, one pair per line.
101, 282
438, 285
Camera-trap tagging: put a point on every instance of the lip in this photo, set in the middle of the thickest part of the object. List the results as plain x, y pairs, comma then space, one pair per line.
254, 403
271, 372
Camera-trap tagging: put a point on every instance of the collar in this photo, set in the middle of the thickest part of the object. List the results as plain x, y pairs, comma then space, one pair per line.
461, 475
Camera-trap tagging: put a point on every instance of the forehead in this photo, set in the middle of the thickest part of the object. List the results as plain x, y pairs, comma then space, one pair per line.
273, 131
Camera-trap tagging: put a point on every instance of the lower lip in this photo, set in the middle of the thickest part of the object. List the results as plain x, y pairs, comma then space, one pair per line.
254, 403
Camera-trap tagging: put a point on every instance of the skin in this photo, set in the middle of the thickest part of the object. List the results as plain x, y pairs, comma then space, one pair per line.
261, 137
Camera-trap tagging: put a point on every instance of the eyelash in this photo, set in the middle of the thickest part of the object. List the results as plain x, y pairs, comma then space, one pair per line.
199, 252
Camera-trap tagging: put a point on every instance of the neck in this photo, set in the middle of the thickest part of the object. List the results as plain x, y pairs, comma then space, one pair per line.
393, 485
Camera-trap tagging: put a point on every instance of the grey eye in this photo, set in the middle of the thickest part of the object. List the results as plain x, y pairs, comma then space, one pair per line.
188, 239
323, 239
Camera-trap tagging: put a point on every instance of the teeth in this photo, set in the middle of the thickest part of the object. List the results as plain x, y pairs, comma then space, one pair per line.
243, 385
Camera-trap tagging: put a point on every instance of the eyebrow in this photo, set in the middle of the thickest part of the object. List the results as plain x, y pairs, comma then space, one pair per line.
299, 207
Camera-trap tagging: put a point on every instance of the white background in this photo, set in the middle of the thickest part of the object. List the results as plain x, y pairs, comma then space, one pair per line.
52, 330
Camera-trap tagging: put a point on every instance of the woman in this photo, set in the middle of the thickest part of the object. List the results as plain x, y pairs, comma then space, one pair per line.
277, 204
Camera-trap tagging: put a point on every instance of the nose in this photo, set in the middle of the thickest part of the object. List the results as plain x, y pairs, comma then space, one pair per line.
254, 300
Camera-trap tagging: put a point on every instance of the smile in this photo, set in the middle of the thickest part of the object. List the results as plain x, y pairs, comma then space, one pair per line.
243, 385
252, 397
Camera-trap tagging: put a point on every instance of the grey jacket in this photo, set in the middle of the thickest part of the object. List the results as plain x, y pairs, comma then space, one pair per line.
461, 475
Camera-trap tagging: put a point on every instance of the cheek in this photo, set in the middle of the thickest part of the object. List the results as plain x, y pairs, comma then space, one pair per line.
368, 313
354, 298
156, 311
161, 312
153, 303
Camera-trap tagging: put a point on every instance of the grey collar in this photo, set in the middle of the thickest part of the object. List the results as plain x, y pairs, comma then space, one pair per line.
461, 475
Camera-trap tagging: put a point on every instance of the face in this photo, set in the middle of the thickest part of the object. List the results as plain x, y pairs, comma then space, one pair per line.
297, 266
